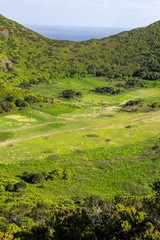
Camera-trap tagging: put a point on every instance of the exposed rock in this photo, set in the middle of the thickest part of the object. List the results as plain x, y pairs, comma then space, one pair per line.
3, 63
5, 33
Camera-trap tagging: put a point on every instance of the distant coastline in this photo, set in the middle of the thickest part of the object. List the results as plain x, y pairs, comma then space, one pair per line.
75, 33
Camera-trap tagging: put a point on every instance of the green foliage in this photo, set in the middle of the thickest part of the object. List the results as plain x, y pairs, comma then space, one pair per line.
72, 225
70, 94
136, 218
36, 178
121, 86
156, 186
155, 105
18, 187
68, 173
40, 212
56, 174
120, 159
109, 90
38, 59
26, 222
3, 223
59, 173
33, 177
7, 184
11, 227
131, 83
140, 105
5, 106
38, 231
12, 97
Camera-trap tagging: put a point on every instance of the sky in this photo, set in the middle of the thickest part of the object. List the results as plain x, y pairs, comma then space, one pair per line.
89, 13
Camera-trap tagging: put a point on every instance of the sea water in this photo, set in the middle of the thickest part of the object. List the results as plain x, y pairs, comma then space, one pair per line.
75, 33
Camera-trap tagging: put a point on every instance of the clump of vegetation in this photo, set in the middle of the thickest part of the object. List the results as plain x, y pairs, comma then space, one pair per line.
133, 103
11, 185
130, 83
70, 94
108, 140
14, 97
120, 87
93, 219
155, 105
109, 90
130, 126
18, 187
33, 177
57, 173
140, 105
92, 135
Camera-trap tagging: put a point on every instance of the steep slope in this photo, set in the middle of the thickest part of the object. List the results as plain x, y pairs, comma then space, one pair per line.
26, 56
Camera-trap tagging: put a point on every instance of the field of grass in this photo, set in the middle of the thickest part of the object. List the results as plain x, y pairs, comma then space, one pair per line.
112, 152
89, 98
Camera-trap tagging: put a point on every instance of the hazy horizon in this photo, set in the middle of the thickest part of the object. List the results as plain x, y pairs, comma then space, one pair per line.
74, 33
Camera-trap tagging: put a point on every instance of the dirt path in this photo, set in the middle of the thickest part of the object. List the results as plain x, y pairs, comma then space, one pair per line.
47, 114
76, 130
26, 127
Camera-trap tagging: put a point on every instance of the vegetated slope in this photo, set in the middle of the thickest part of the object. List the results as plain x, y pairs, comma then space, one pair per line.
121, 159
26, 56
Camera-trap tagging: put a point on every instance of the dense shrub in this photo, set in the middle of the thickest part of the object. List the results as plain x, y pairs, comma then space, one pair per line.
36, 177
30, 99
155, 105
133, 103
19, 102
3, 223
33, 177
70, 94
109, 90
26, 222
5, 106
56, 174
67, 174
8, 184
59, 173
18, 187
12, 97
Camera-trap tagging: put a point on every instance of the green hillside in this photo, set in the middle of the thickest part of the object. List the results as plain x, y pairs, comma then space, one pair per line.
29, 58
79, 136
26, 56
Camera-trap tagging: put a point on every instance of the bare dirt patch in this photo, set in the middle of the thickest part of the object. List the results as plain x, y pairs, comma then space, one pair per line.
20, 118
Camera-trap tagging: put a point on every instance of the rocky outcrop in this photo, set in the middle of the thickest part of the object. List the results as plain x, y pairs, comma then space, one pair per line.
4, 63
5, 33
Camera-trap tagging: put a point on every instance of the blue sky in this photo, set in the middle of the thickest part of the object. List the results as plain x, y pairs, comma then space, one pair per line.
98, 13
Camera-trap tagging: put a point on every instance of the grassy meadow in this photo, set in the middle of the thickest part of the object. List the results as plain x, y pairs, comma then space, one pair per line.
112, 152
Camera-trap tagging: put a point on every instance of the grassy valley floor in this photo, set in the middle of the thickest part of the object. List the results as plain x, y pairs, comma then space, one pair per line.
112, 152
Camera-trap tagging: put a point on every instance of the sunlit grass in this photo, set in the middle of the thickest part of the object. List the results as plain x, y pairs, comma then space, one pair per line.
111, 151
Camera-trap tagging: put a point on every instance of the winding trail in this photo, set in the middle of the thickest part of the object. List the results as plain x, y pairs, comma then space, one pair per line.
2, 144
47, 114
26, 127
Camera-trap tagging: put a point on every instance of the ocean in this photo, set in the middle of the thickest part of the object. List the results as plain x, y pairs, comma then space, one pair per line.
74, 33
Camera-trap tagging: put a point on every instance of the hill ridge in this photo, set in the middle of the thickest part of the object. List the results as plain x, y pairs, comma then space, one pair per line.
36, 58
